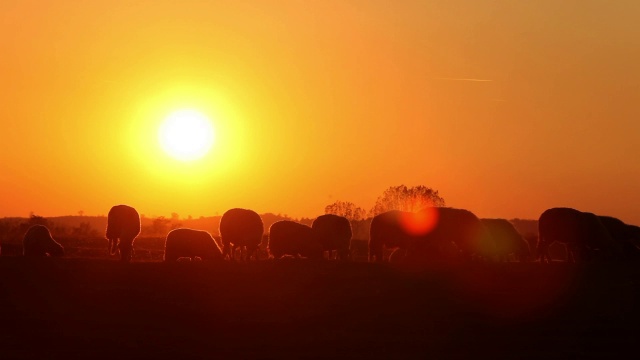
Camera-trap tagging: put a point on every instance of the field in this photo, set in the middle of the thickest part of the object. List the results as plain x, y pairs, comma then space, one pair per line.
100, 308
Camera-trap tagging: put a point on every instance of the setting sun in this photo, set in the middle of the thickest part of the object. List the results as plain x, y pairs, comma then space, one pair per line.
293, 179
186, 135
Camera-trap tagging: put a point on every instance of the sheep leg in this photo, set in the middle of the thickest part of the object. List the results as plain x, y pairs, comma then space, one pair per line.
126, 252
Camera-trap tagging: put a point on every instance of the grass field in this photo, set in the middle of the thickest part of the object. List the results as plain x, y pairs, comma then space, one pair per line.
96, 308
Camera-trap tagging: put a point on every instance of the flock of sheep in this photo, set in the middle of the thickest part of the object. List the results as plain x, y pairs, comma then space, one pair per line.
434, 235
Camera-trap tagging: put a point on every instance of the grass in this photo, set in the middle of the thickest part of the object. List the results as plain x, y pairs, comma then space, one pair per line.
299, 309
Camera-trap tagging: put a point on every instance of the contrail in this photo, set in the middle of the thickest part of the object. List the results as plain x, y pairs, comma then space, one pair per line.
464, 79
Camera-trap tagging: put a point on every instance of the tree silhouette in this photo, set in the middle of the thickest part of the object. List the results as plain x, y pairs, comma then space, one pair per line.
37, 220
160, 225
347, 209
406, 198
175, 221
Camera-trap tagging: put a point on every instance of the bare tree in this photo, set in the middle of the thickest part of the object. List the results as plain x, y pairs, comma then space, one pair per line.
346, 209
405, 198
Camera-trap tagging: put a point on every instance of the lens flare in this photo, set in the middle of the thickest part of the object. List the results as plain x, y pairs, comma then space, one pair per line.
420, 223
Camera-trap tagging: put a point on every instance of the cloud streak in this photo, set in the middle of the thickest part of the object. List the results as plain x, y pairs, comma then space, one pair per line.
464, 79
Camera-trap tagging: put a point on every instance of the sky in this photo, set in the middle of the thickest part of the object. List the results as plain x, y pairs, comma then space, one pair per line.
507, 108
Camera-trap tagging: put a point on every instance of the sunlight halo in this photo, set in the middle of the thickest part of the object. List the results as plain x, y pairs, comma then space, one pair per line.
186, 135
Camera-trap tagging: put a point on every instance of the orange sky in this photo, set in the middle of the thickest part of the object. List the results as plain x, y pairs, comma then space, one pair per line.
317, 101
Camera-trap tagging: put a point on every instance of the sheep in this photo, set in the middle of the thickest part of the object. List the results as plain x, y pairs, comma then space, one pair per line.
37, 242
123, 226
334, 233
634, 234
191, 243
241, 228
295, 239
457, 234
507, 240
466, 231
582, 233
434, 233
624, 237
387, 231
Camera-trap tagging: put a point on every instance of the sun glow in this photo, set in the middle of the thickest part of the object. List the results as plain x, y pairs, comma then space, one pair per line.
186, 135
421, 222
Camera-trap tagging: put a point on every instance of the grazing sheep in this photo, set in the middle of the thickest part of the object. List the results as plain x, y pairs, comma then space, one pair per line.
583, 234
37, 242
334, 233
295, 239
624, 237
464, 228
191, 243
508, 241
433, 234
123, 226
241, 228
387, 230
634, 234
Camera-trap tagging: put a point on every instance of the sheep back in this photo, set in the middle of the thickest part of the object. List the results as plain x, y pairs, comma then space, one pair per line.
191, 243
241, 227
123, 226
334, 233
581, 232
508, 241
295, 239
37, 242
388, 231
123, 222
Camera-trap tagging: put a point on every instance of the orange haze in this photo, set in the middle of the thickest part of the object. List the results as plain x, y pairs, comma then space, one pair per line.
506, 107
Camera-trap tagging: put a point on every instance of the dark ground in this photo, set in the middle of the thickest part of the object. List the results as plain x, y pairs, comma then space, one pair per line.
91, 308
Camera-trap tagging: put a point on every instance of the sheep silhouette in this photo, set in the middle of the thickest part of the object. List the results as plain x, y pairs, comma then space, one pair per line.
634, 234
241, 229
123, 226
294, 239
37, 242
508, 241
583, 234
334, 233
191, 243
452, 233
387, 230
624, 238
458, 235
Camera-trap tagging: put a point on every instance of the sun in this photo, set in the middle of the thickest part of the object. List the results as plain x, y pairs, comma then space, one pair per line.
186, 135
